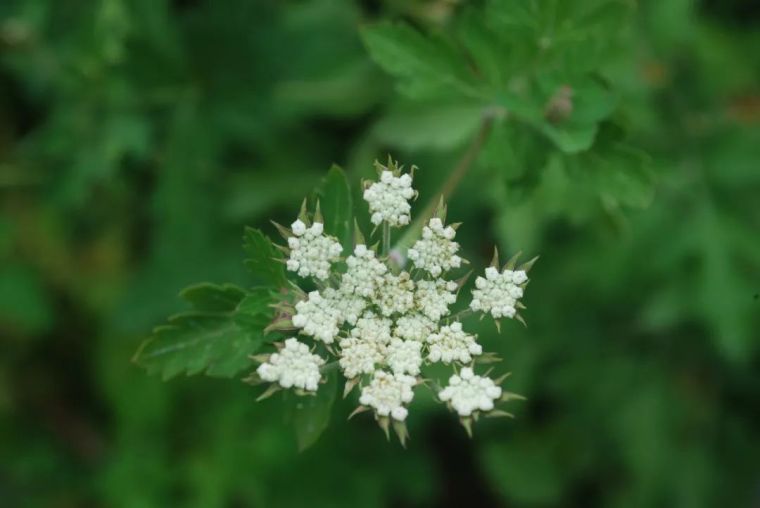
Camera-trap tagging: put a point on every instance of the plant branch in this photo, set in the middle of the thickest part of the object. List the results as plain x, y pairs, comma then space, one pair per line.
451, 183
386, 239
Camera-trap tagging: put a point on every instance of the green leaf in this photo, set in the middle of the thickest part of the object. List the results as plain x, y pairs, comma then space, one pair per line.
225, 327
207, 297
571, 139
262, 258
438, 125
425, 66
587, 103
312, 413
334, 195
514, 151
623, 176
254, 312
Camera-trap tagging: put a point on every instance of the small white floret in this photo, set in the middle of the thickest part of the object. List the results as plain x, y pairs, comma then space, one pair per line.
468, 393
435, 252
389, 198
433, 297
452, 344
404, 356
498, 293
294, 366
388, 393
311, 252
364, 274
414, 326
318, 316
396, 294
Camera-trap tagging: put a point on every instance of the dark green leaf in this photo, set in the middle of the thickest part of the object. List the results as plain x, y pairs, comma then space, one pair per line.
334, 195
216, 338
254, 312
312, 414
262, 258
207, 297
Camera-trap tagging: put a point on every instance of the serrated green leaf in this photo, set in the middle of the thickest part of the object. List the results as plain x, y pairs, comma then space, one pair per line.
424, 66
262, 258
207, 297
335, 200
209, 340
254, 312
312, 414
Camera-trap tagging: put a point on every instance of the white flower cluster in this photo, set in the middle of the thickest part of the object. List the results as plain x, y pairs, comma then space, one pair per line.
436, 252
397, 294
415, 326
498, 293
404, 356
434, 297
452, 344
359, 356
365, 272
389, 198
388, 393
292, 367
311, 251
366, 347
381, 324
467, 393
318, 317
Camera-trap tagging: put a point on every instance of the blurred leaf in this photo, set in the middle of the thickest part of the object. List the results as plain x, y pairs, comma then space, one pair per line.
350, 90
438, 126
425, 66
263, 260
623, 176
24, 303
312, 413
253, 194
570, 139
515, 152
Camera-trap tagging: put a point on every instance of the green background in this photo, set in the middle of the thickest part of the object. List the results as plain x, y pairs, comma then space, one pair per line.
138, 137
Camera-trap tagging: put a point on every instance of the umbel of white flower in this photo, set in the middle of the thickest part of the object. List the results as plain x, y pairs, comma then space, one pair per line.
381, 325
388, 199
498, 293
311, 251
293, 367
436, 252
468, 393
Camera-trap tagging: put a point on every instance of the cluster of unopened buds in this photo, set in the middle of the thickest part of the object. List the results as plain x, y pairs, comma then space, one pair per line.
382, 324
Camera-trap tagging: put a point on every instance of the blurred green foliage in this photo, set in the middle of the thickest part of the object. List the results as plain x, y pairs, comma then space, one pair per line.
138, 137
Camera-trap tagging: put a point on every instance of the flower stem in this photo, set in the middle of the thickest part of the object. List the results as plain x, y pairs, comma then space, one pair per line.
386, 239
451, 183
328, 367
460, 315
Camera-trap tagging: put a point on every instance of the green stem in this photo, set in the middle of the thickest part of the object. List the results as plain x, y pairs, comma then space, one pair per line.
451, 183
386, 239
460, 315
329, 367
